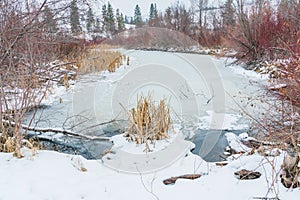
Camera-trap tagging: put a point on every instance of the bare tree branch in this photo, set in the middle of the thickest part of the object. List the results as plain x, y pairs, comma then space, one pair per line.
54, 130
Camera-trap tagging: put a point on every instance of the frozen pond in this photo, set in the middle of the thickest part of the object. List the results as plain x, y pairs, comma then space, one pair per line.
204, 95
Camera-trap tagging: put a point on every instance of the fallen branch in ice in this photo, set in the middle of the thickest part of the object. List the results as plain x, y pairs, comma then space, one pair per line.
54, 130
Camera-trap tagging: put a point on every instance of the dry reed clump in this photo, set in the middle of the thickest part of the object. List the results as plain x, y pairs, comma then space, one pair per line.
11, 144
7, 144
34, 145
99, 58
148, 121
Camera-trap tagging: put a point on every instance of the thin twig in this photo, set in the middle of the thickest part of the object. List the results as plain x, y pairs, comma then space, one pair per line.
249, 115
146, 188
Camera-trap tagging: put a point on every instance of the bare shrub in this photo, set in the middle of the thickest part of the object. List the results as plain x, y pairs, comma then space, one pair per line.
210, 38
266, 33
70, 48
285, 123
153, 38
289, 73
26, 75
149, 121
281, 123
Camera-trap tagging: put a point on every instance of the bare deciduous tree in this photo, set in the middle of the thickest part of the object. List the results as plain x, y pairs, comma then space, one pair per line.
199, 10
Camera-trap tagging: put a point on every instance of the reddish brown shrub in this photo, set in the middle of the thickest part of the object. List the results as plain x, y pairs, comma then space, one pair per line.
264, 33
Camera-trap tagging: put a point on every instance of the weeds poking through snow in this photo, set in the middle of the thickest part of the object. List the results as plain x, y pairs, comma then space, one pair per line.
149, 121
7, 145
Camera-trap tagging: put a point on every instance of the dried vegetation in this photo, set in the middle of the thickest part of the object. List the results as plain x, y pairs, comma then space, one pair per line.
148, 121
99, 58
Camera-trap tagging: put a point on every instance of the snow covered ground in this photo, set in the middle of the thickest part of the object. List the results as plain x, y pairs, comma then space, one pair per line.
52, 175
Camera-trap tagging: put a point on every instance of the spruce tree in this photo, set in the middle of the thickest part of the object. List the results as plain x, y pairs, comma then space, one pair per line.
104, 17
90, 20
97, 25
151, 14
120, 20
74, 17
111, 26
126, 20
138, 16
49, 21
131, 20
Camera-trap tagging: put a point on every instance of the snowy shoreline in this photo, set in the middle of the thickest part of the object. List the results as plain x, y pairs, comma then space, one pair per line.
52, 175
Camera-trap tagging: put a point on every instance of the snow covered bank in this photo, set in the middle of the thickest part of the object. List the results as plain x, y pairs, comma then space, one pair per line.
52, 175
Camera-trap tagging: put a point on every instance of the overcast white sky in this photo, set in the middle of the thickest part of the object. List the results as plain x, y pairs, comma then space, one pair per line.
127, 6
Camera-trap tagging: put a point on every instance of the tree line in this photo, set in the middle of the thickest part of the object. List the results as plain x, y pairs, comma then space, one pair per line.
256, 31
108, 20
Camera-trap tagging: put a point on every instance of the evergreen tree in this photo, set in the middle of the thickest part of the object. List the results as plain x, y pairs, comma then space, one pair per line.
228, 13
131, 20
108, 18
97, 25
90, 20
104, 17
74, 17
151, 14
126, 20
111, 26
120, 21
138, 16
49, 21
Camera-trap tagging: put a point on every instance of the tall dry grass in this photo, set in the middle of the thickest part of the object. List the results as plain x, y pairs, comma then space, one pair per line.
148, 121
100, 58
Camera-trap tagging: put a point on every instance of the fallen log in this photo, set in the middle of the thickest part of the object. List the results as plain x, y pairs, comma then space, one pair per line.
173, 180
56, 130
